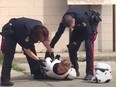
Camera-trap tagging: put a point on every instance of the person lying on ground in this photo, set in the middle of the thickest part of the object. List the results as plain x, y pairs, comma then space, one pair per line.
58, 68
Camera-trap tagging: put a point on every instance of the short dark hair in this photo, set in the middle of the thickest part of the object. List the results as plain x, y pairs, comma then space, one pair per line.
40, 33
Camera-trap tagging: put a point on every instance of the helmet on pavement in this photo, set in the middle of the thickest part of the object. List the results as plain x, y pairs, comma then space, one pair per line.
102, 73
72, 74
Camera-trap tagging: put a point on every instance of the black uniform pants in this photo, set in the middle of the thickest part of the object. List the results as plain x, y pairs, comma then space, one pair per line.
77, 37
8, 49
32, 62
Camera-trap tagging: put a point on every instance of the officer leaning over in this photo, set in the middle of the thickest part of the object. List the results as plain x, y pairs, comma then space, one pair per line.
25, 32
83, 23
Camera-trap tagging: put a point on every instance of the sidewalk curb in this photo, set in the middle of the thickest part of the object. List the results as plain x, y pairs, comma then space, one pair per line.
99, 56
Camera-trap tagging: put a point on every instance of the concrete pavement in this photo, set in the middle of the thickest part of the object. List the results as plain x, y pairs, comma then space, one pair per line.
24, 79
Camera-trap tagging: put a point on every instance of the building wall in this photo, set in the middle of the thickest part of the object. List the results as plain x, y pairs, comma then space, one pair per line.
106, 38
50, 13
115, 26
20, 8
53, 11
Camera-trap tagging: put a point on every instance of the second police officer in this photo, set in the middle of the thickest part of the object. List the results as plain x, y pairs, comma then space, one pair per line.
83, 23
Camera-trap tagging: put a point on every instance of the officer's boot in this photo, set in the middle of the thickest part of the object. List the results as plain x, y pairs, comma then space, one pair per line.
76, 66
77, 71
5, 77
6, 81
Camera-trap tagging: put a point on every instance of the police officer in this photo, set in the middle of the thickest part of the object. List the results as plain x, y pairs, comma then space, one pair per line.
25, 32
83, 23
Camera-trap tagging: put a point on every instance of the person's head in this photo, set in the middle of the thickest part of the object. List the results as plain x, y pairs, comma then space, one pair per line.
69, 21
39, 33
63, 66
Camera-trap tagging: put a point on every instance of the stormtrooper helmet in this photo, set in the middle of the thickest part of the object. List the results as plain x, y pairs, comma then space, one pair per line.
102, 73
72, 74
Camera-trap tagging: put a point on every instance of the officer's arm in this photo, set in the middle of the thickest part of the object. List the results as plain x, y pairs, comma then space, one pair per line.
57, 35
31, 54
47, 45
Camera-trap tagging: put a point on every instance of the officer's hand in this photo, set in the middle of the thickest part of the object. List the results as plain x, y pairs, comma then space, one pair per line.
57, 57
51, 55
41, 62
47, 54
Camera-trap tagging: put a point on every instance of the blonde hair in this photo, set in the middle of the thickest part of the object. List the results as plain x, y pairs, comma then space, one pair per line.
66, 64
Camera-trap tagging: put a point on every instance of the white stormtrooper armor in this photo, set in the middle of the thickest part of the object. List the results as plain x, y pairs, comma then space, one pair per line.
102, 73
71, 74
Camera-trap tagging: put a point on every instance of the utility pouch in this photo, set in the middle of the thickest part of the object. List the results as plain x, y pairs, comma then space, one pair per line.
7, 30
95, 17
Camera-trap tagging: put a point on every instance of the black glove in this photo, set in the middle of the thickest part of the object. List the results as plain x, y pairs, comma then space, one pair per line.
41, 63
51, 55
47, 54
39, 70
57, 57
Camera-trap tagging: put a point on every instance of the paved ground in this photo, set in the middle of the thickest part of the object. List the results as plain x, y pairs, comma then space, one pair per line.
24, 79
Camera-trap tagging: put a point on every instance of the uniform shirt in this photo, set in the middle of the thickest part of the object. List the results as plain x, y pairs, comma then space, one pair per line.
82, 23
22, 28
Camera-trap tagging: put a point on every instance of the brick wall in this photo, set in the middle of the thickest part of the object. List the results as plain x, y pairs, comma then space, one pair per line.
20, 8
50, 13
106, 32
53, 12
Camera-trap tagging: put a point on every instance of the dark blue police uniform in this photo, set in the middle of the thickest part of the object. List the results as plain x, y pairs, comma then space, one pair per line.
84, 30
21, 28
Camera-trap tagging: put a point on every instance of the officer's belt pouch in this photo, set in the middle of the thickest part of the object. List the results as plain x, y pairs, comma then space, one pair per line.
95, 16
7, 30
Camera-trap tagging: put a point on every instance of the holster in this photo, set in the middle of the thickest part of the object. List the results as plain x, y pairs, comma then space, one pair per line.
7, 30
95, 17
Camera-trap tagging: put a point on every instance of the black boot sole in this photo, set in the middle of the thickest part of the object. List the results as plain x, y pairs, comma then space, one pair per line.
7, 84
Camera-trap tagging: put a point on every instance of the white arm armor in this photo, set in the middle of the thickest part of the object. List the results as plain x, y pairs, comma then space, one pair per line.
48, 62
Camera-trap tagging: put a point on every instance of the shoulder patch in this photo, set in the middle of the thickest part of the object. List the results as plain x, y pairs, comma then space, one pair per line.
27, 39
84, 24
